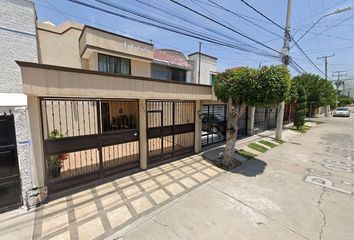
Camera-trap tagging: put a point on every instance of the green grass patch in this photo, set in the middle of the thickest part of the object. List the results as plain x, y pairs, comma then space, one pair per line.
246, 154
267, 143
303, 129
258, 147
279, 141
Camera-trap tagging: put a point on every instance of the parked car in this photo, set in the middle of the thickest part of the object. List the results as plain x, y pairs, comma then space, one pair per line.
341, 112
213, 123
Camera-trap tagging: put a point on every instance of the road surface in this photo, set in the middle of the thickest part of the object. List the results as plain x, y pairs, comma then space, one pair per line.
302, 189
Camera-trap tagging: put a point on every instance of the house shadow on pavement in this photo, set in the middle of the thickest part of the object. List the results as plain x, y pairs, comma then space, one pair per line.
250, 168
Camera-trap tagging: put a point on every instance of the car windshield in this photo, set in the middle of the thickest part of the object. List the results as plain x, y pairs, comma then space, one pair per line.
342, 109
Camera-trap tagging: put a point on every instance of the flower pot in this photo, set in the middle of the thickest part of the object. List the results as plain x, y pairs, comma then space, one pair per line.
63, 156
55, 172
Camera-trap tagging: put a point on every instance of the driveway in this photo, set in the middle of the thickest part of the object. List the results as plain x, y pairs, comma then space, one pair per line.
302, 189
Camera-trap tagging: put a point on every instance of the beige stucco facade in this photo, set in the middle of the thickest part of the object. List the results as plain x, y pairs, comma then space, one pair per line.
74, 45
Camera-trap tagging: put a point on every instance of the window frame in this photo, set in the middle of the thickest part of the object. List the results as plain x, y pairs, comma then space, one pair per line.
109, 59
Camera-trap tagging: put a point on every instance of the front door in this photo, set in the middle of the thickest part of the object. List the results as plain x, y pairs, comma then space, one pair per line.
10, 187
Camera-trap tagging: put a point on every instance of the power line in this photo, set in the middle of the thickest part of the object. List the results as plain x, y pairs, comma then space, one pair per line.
181, 32
223, 25
295, 42
244, 18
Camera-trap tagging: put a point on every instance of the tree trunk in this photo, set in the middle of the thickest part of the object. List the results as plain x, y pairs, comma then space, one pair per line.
233, 114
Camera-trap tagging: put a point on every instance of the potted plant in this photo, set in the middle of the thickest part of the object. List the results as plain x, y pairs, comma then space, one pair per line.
55, 162
55, 134
55, 165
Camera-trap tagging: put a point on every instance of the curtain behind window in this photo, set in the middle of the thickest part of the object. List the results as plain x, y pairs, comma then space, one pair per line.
113, 64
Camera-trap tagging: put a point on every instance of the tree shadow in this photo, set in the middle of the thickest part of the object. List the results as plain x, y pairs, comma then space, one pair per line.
250, 168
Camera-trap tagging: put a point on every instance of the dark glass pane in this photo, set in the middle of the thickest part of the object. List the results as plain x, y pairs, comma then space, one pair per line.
8, 163
125, 66
9, 195
103, 64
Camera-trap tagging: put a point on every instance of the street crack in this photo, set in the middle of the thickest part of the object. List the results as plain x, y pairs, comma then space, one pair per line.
324, 218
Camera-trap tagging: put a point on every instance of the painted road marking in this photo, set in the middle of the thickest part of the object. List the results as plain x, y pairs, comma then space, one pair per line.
347, 183
323, 182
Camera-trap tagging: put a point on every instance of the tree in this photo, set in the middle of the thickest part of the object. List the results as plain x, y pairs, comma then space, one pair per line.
344, 100
319, 91
301, 107
242, 86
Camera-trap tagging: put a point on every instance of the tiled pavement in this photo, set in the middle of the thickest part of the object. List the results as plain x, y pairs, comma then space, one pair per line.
98, 212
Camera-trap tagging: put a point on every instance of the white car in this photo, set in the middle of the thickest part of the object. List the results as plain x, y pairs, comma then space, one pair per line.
341, 112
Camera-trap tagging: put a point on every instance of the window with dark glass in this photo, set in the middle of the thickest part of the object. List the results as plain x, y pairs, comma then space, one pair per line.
212, 79
113, 64
168, 73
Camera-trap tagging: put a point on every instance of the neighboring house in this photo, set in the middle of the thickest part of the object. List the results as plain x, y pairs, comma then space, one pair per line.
17, 42
169, 64
207, 63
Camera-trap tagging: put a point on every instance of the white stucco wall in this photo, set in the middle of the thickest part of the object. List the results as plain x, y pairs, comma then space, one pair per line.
17, 42
207, 66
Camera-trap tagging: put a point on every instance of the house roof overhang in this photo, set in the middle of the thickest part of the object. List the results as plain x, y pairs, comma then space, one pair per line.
49, 80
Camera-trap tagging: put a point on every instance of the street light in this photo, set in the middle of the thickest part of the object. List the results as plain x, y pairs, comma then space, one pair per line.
333, 13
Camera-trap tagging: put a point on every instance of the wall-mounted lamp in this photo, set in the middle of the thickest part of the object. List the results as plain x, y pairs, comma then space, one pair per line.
200, 114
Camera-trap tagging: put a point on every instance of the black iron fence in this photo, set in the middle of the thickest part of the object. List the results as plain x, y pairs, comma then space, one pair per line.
87, 139
170, 129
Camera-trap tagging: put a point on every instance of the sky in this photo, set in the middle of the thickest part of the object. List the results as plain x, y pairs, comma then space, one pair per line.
331, 35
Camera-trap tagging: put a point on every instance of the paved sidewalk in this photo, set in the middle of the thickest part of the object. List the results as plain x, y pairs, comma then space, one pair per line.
102, 211
270, 197
98, 212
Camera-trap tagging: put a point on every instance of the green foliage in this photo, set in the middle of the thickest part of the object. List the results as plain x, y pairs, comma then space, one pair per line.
302, 129
258, 147
301, 108
267, 143
320, 92
292, 94
344, 101
125, 122
264, 87
55, 134
279, 141
54, 161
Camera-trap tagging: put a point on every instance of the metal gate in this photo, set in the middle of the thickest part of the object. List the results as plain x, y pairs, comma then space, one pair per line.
213, 124
264, 118
170, 129
10, 186
87, 139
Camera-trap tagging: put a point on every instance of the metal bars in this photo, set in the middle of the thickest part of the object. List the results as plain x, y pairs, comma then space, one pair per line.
88, 139
170, 129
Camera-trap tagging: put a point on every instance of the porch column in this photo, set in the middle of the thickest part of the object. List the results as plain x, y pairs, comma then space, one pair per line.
250, 121
198, 128
38, 161
142, 134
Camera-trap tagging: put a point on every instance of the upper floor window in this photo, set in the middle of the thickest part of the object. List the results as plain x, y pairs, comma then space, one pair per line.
212, 79
113, 64
168, 73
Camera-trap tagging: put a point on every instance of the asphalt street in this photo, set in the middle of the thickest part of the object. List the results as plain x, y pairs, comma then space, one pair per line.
303, 189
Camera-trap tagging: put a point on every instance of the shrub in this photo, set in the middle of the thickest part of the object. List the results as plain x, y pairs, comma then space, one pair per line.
301, 108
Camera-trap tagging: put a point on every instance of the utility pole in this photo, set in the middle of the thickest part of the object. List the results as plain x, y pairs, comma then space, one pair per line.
199, 59
326, 63
285, 60
338, 82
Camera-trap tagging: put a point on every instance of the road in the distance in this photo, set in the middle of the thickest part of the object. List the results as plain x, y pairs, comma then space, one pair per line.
300, 190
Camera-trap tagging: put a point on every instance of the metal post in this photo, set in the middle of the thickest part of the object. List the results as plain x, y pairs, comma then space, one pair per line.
326, 63
199, 59
285, 60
